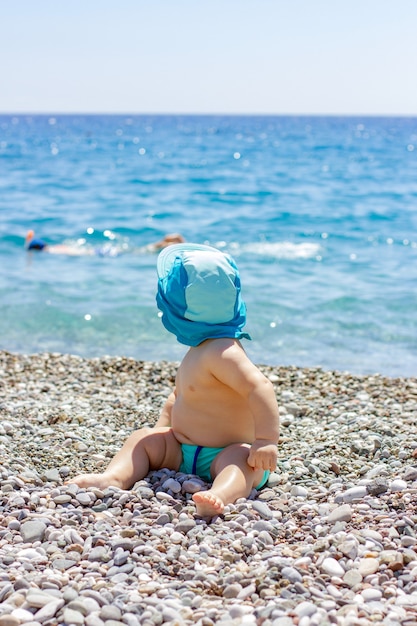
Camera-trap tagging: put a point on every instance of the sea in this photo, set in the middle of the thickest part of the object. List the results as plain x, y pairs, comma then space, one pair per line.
319, 213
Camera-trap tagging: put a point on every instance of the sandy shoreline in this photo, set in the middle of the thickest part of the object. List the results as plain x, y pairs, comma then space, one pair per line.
332, 539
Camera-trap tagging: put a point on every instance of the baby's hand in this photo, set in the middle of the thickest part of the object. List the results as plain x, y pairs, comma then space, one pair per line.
263, 455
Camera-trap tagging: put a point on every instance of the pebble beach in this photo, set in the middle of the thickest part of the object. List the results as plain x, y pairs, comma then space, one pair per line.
332, 538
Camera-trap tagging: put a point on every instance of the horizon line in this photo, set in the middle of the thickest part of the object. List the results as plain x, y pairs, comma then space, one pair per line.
201, 114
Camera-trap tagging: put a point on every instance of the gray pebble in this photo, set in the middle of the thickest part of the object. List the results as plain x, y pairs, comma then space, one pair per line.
163, 519
247, 591
83, 498
63, 564
52, 476
410, 473
99, 553
121, 557
266, 538
172, 485
93, 620
291, 574
232, 591
110, 612
192, 485
377, 486
48, 611
305, 609
95, 595
263, 509
185, 525
73, 617
84, 605
32, 531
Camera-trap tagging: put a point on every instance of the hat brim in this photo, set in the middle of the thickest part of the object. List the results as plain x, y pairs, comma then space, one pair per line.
167, 257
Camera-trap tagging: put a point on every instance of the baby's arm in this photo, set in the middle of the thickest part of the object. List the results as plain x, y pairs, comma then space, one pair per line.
262, 401
232, 366
165, 416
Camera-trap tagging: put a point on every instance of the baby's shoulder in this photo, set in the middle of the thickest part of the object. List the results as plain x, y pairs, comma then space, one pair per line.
218, 348
210, 350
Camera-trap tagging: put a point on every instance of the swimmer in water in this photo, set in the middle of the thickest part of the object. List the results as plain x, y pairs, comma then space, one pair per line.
166, 241
33, 243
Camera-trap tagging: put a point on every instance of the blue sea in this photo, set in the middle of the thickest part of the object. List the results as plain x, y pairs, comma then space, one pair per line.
320, 214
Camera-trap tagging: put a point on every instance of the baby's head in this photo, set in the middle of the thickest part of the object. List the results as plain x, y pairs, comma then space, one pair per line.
199, 294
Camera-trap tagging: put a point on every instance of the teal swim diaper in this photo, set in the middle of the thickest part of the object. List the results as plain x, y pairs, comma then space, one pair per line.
198, 459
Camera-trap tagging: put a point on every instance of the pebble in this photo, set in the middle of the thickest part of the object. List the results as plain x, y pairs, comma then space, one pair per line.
192, 485
341, 513
352, 577
72, 617
371, 595
331, 539
299, 491
48, 611
263, 509
305, 609
291, 574
377, 486
32, 531
83, 498
398, 485
332, 567
232, 591
172, 485
354, 493
368, 566
185, 525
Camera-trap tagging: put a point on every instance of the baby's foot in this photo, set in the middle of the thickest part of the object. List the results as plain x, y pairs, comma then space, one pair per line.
101, 481
208, 504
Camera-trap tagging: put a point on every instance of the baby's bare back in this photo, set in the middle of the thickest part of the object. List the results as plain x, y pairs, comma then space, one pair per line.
207, 411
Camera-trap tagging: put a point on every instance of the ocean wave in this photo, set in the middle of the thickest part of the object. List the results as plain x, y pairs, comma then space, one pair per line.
282, 249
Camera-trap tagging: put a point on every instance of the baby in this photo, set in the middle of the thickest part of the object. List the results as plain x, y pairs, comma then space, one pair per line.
221, 421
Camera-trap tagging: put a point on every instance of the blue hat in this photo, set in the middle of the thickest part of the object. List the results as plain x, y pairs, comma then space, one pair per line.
199, 294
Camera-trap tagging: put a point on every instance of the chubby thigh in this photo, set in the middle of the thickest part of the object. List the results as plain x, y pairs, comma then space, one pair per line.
163, 449
237, 455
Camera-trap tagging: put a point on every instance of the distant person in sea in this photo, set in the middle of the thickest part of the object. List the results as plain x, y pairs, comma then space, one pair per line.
167, 240
221, 421
32, 243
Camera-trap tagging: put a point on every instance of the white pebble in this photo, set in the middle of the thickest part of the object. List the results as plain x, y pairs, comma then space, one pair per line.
371, 594
341, 513
354, 493
299, 491
305, 608
332, 567
398, 485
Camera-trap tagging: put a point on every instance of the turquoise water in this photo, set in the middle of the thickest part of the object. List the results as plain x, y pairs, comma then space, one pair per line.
319, 213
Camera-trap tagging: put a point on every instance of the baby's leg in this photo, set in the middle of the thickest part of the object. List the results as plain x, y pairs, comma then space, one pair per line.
144, 450
233, 479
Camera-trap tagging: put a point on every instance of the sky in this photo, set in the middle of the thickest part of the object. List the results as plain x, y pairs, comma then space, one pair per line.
338, 57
